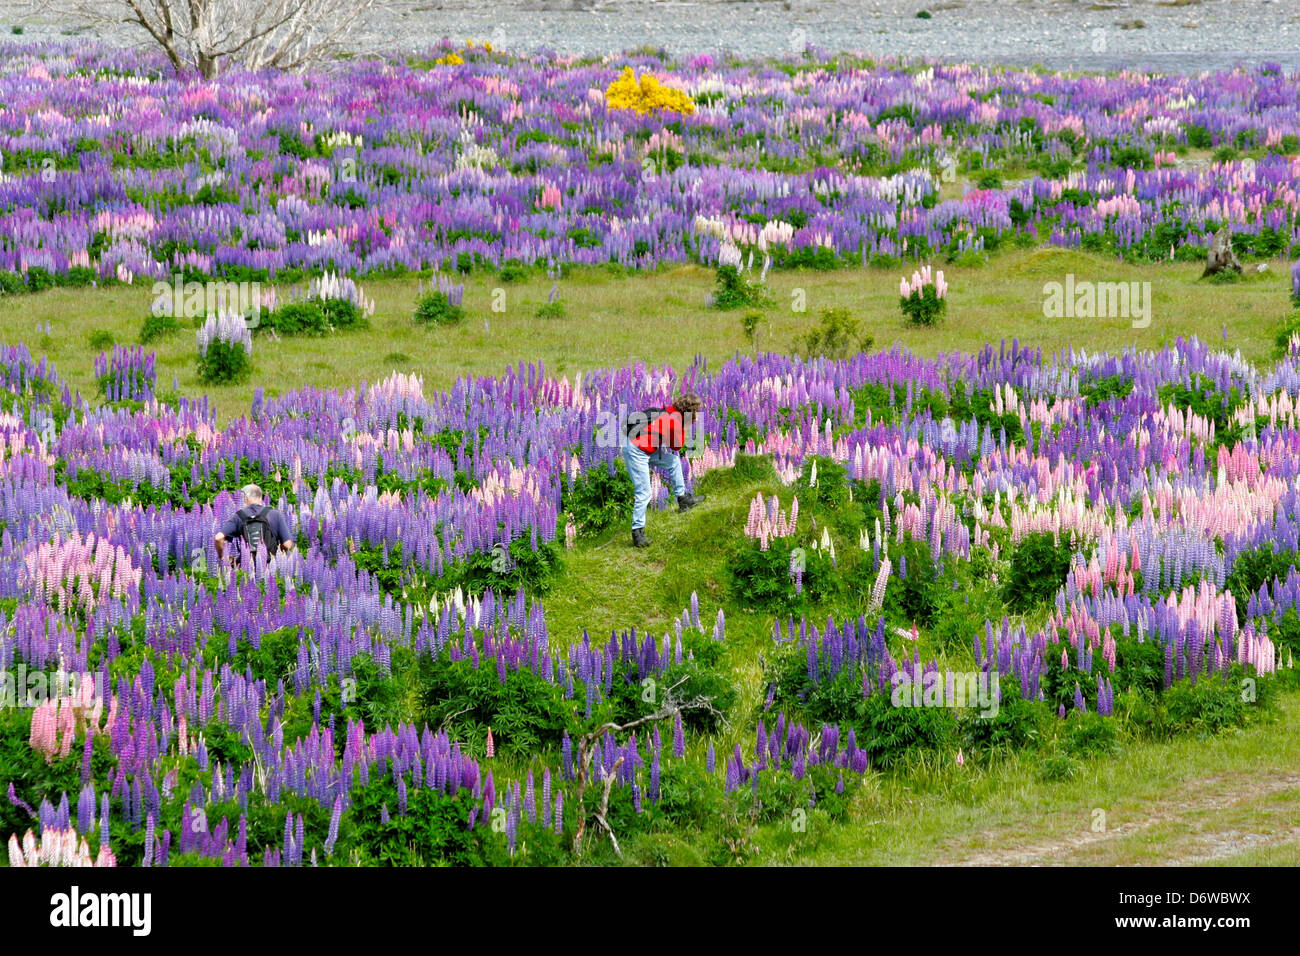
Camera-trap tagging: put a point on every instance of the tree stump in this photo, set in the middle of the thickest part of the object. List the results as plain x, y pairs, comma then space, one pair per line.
1221, 256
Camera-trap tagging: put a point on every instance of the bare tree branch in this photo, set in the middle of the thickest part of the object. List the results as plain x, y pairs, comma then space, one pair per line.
588, 743
209, 36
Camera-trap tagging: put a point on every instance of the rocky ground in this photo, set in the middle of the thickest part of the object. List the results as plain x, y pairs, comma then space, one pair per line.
1168, 35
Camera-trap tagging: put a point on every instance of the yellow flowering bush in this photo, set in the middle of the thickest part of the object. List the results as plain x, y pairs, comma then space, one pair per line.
646, 95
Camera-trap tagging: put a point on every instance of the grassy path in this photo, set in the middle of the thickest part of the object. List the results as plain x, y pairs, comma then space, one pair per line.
1232, 799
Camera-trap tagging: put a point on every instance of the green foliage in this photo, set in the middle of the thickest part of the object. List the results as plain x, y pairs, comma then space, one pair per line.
1286, 328
100, 339
764, 580
157, 327
433, 831
1252, 569
1284, 631
435, 308
526, 712
1018, 724
1102, 390
917, 597
889, 733
1038, 569
298, 318
703, 673
749, 325
837, 336
832, 489
512, 270
504, 569
735, 291
980, 405
1214, 703
923, 307
224, 363
1089, 734
599, 498
552, 310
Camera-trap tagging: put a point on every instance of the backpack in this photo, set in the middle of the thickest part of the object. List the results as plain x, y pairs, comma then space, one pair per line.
638, 423
258, 531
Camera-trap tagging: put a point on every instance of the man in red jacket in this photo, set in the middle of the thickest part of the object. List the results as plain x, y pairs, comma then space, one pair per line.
654, 437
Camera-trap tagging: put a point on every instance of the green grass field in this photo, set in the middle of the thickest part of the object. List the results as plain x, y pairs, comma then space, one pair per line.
662, 318
1231, 799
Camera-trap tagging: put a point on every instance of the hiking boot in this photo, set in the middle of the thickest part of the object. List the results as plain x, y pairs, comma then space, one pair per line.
639, 540
688, 501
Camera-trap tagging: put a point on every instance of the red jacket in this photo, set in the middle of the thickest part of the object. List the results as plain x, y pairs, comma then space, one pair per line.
666, 430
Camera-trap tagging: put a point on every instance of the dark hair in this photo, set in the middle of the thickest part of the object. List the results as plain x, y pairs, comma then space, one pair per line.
688, 402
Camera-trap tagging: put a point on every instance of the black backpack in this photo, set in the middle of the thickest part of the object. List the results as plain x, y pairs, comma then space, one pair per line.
638, 423
258, 531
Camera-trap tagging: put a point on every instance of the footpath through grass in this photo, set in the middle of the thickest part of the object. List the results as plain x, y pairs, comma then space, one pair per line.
1227, 799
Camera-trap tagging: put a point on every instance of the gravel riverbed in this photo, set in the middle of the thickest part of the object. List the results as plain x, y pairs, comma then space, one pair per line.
1168, 36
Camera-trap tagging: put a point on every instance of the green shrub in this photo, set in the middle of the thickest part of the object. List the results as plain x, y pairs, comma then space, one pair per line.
735, 291
551, 310
343, 315
513, 271
435, 308
923, 307
832, 489
1038, 568
1214, 703
298, 318
836, 337
599, 498
1101, 390
1017, 725
224, 363
703, 672
763, 579
156, 327
917, 597
526, 713
889, 733
1252, 569
100, 339
1088, 734
432, 832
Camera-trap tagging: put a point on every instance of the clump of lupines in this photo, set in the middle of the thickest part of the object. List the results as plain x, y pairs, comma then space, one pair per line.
925, 298
127, 375
225, 344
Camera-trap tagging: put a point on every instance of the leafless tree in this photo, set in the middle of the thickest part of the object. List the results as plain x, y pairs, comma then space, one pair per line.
208, 36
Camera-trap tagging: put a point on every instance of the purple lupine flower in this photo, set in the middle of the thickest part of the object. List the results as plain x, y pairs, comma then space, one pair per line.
333, 835
679, 737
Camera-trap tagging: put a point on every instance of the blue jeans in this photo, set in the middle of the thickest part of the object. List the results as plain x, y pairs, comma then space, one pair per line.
638, 469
